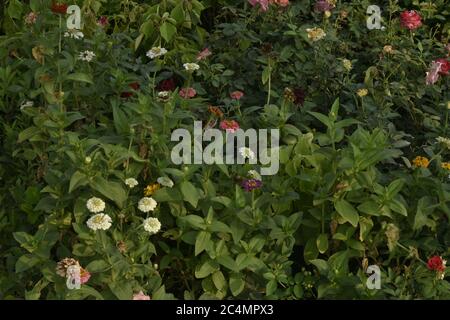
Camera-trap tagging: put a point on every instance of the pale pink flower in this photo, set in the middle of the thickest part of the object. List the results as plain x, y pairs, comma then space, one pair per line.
140, 296
202, 55
187, 93
433, 73
264, 4
236, 95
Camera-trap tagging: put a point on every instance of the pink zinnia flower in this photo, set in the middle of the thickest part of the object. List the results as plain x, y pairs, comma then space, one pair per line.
236, 95
264, 4
31, 18
84, 276
140, 296
187, 93
229, 125
205, 53
410, 19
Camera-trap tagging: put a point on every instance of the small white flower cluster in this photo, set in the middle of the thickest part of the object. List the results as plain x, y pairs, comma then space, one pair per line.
163, 94
74, 34
191, 67
253, 174
247, 153
156, 52
99, 221
131, 182
86, 55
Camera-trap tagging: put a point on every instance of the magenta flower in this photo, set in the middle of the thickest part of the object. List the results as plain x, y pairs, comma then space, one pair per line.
251, 184
323, 5
103, 21
202, 55
187, 93
264, 4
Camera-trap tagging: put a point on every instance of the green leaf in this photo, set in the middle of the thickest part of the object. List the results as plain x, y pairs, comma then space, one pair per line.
346, 210
178, 13
120, 120
310, 252
205, 269
84, 292
395, 187
271, 287
365, 225
194, 221
240, 197
122, 290
28, 133
26, 262
167, 31
112, 190
237, 284
219, 280
321, 265
202, 242
15, 9
322, 118
78, 179
190, 193
78, 76
266, 75
228, 262
322, 243
97, 266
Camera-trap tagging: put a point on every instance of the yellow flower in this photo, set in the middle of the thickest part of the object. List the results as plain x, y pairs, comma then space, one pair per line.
388, 49
315, 34
327, 14
445, 165
421, 162
151, 188
347, 64
362, 92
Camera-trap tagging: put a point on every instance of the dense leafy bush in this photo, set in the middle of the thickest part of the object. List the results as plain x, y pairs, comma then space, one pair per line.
86, 124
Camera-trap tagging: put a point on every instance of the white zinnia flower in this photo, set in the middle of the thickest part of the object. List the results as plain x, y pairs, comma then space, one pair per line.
247, 153
131, 182
165, 182
444, 141
99, 221
191, 66
74, 34
156, 52
95, 205
147, 204
152, 225
86, 55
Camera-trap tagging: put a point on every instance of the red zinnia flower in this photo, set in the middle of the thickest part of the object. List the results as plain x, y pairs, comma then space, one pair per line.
445, 66
60, 8
229, 125
236, 95
436, 263
134, 86
166, 85
410, 19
